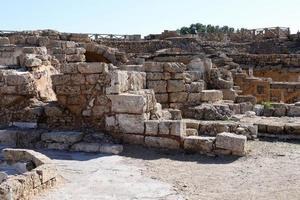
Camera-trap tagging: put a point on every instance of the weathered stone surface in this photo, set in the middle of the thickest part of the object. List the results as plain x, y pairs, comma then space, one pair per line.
164, 127
292, 128
151, 127
157, 86
128, 103
175, 86
133, 139
16, 155
62, 137
293, 111
160, 142
191, 132
8, 137
4, 41
131, 123
33, 62
176, 97
198, 144
232, 142
111, 148
91, 68
178, 128
211, 95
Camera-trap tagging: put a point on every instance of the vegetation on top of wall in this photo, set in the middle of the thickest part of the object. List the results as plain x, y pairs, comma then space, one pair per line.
201, 28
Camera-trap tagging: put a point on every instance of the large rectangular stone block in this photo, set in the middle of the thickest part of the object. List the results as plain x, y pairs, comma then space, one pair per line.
230, 141
131, 123
157, 86
178, 97
151, 127
128, 103
160, 142
91, 67
211, 95
176, 86
198, 144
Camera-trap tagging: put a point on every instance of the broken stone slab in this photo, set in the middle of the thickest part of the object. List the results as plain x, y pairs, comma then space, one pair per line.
161, 142
16, 155
69, 137
230, 141
200, 144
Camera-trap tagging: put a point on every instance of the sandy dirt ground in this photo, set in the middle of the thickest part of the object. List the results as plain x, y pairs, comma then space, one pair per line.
270, 171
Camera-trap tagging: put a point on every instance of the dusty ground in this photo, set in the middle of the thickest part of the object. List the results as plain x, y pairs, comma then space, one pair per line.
270, 171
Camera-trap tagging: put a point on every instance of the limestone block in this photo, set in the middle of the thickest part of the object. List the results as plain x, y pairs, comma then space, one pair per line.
46, 172
111, 148
174, 67
69, 137
229, 94
119, 82
246, 98
129, 123
17, 155
195, 87
69, 68
75, 58
157, 86
198, 144
164, 127
32, 62
57, 146
151, 127
133, 139
232, 142
194, 98
177, 128
4, 41
68, 90
153, 67
92, 78
258, 109
91, 68
191, 132
176, 86
160, 142
178, 97
292, 128
275, 128
155, 76
128, 103
60, 79
136, 80
8, 137
293, 111
246, 106
162, 98
280, 109
77, 79
18, 79
211, 95
110, 122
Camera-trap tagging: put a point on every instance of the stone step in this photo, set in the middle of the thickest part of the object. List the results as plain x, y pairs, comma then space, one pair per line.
200, 144
212, 128
211, 95
191, 132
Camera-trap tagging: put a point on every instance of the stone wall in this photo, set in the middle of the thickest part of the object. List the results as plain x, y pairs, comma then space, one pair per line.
265, 89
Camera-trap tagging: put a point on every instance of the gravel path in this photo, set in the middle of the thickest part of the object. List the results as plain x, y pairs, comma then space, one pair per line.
270, 171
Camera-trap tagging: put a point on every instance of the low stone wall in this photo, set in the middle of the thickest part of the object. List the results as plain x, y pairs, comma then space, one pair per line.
24, 186
267, 90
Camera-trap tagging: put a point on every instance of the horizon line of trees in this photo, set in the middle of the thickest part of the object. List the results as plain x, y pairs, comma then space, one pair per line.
201, 28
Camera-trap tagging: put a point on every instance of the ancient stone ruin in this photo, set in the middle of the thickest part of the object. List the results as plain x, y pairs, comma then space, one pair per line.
79, 92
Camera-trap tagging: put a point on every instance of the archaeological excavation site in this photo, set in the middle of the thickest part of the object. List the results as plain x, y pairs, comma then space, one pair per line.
167, 116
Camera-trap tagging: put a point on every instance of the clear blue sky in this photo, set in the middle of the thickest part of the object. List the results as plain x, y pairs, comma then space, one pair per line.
145, 16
